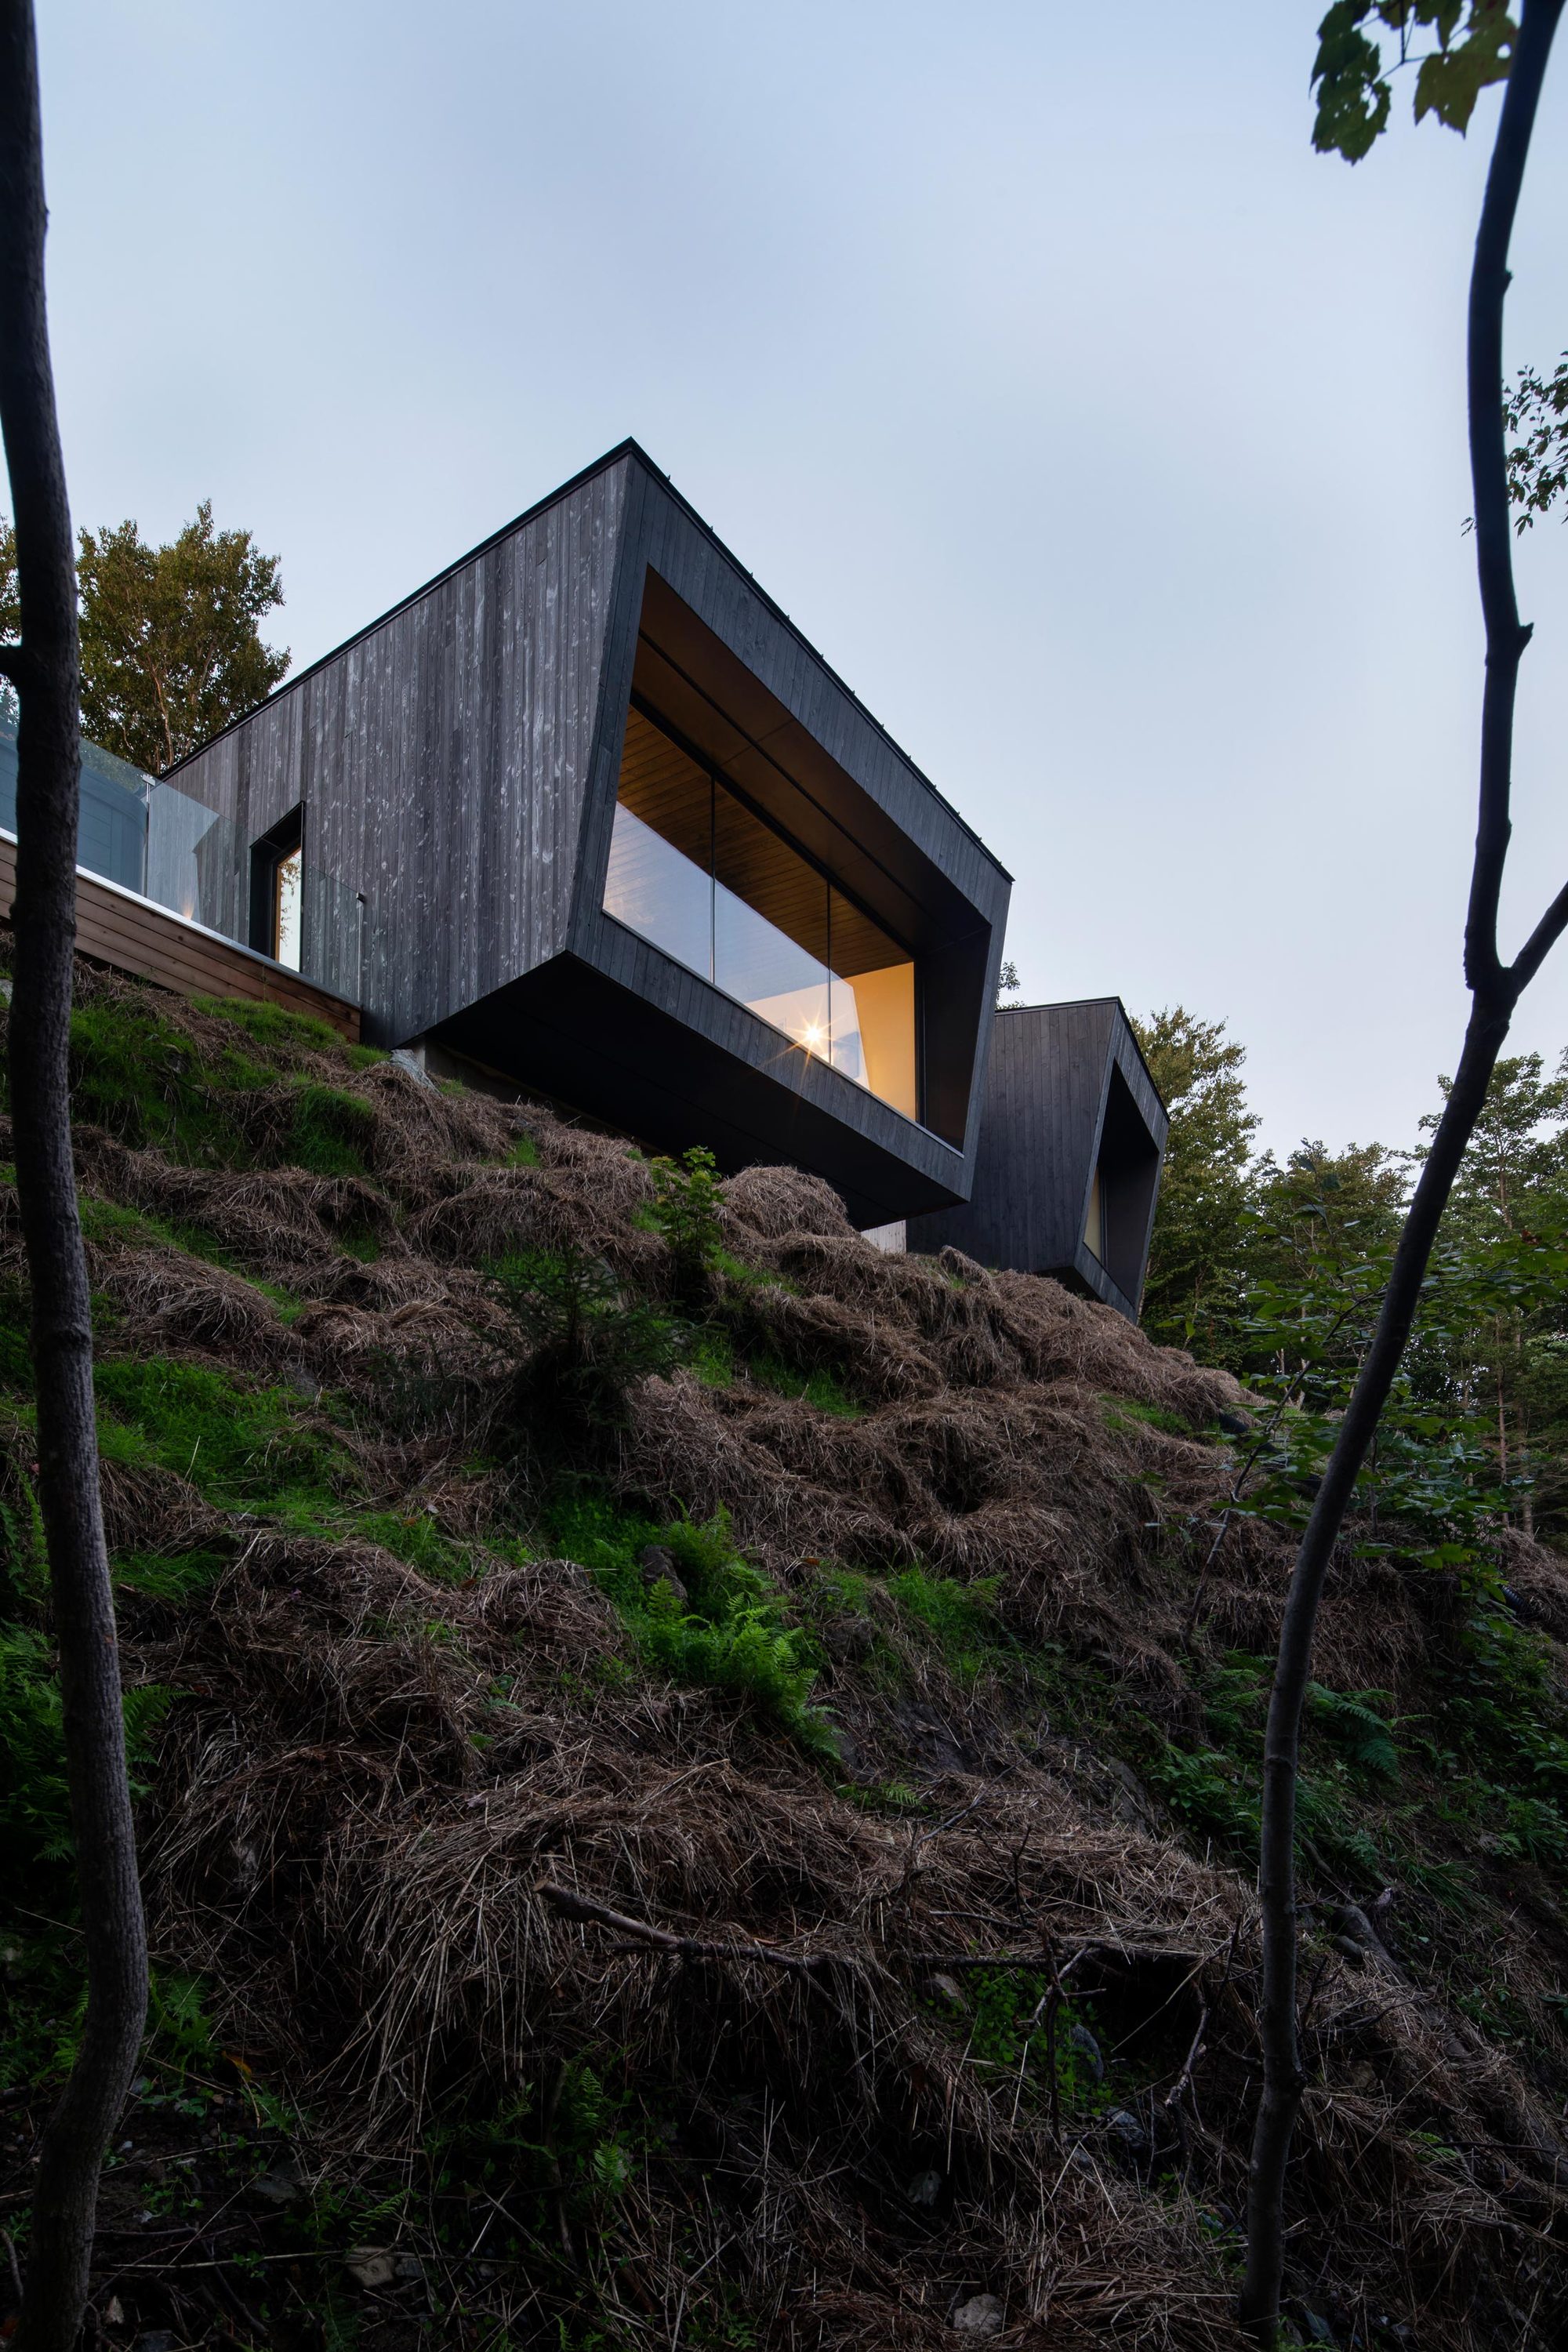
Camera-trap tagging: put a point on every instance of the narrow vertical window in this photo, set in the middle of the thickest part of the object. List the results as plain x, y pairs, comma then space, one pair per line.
286, 908
278, 892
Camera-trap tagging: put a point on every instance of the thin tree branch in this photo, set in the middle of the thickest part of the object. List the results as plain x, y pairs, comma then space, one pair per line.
1539, 943
1494, 993
1506, 636
688, 1947
49, 755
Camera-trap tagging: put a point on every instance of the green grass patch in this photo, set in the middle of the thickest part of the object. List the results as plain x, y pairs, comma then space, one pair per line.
711, 1354
962, 1617
821, 1388
270, 1025
174, 1579
414, 1536
242, 1448
330, 1132
1124, 1412
135, 1073
752, 1278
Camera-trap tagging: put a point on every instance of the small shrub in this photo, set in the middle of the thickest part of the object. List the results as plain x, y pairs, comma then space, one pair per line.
580, 1343
1011, 2035
1362, 1736
728, 1632
35, 1805
685, 1210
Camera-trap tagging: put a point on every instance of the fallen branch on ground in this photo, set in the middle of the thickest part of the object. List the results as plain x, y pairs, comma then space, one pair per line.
687, 1947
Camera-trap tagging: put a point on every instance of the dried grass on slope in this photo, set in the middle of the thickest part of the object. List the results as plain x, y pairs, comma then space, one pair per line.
369, 1772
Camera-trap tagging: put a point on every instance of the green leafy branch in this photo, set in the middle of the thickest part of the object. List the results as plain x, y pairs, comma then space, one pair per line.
1472, 46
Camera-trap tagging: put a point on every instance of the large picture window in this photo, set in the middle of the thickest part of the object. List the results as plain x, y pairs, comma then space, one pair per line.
695, 869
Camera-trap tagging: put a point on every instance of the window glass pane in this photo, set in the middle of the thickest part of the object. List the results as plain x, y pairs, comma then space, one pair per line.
658, 881
873, 1007
653, 889
695, 871
769, 925
285, 925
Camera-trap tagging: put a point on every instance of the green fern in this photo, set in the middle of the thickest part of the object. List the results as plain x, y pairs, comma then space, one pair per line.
35, 1803
1351, 1718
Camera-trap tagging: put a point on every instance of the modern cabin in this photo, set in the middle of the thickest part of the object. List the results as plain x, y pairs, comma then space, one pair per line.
1072, 1141
589, 812
587, 817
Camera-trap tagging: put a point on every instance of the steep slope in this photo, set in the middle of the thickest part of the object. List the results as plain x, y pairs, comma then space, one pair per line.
693, 1792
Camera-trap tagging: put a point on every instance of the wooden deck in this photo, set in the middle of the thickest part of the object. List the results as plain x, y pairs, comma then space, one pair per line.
132, 934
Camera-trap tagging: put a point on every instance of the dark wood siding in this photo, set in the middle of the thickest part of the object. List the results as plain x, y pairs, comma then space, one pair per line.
456, 766
1066, 1089
442, 760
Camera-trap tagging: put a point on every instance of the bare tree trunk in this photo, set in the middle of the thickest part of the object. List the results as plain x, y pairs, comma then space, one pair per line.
1495, 990
44, 669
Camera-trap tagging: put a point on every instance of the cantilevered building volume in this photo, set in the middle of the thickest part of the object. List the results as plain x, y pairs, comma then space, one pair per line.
589, 816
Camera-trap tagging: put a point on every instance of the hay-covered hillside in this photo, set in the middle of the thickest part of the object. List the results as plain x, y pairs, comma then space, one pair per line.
692, 1792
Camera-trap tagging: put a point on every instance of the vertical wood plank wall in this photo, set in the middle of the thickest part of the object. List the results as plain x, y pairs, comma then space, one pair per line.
1045, 1088
442, 757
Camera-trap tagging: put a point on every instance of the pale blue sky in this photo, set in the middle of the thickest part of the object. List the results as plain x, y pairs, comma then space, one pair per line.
1109, 442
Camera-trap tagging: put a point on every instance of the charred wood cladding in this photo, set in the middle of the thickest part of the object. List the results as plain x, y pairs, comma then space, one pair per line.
588, 811
1071, 1144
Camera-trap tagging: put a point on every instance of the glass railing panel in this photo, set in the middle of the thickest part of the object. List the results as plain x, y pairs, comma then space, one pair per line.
668, 790
654, 889
698, 872
111, 819
659, 881
198, 865
769, 925
766, 969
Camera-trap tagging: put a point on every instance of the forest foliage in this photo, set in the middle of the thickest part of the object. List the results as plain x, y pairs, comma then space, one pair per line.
1275, 1267
170, 643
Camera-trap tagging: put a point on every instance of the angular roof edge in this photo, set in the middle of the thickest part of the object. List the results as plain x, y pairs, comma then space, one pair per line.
1070, 1003
623, 449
